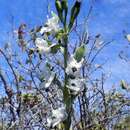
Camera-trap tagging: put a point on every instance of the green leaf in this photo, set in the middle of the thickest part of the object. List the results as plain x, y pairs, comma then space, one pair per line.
55, 48
79, 53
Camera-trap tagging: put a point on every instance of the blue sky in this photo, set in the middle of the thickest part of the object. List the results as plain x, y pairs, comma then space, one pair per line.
109, 18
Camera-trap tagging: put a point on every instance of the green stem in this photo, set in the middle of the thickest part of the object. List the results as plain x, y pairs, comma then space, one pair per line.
67, 97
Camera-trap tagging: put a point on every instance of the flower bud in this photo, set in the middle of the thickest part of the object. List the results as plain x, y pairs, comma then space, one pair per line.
74, 13
64, 4
59, 9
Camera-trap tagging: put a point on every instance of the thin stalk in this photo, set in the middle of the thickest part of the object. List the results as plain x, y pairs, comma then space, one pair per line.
67, 97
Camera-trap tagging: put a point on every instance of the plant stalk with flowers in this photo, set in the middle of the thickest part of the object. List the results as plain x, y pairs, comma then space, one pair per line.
62, 9
52, 85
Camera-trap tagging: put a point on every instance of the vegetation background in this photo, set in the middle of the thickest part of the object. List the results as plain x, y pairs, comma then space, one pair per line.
102, 28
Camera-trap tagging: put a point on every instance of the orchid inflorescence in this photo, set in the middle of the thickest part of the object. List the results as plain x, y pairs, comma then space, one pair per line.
52, 39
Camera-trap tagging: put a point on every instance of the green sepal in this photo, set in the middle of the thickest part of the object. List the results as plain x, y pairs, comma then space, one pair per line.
55, 48
59, 35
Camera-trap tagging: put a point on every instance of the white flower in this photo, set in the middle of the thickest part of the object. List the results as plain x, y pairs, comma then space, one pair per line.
128, 37
51, 25
62, 49
73, 67
42, 45
45, 75
76, 85
57, 116
48, 81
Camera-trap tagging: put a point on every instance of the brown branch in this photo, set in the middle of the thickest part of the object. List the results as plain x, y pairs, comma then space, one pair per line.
9, 93
11, 67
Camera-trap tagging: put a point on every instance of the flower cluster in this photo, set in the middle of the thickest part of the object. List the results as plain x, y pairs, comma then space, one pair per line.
51, 25
57, 116
42, 45
75, 82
